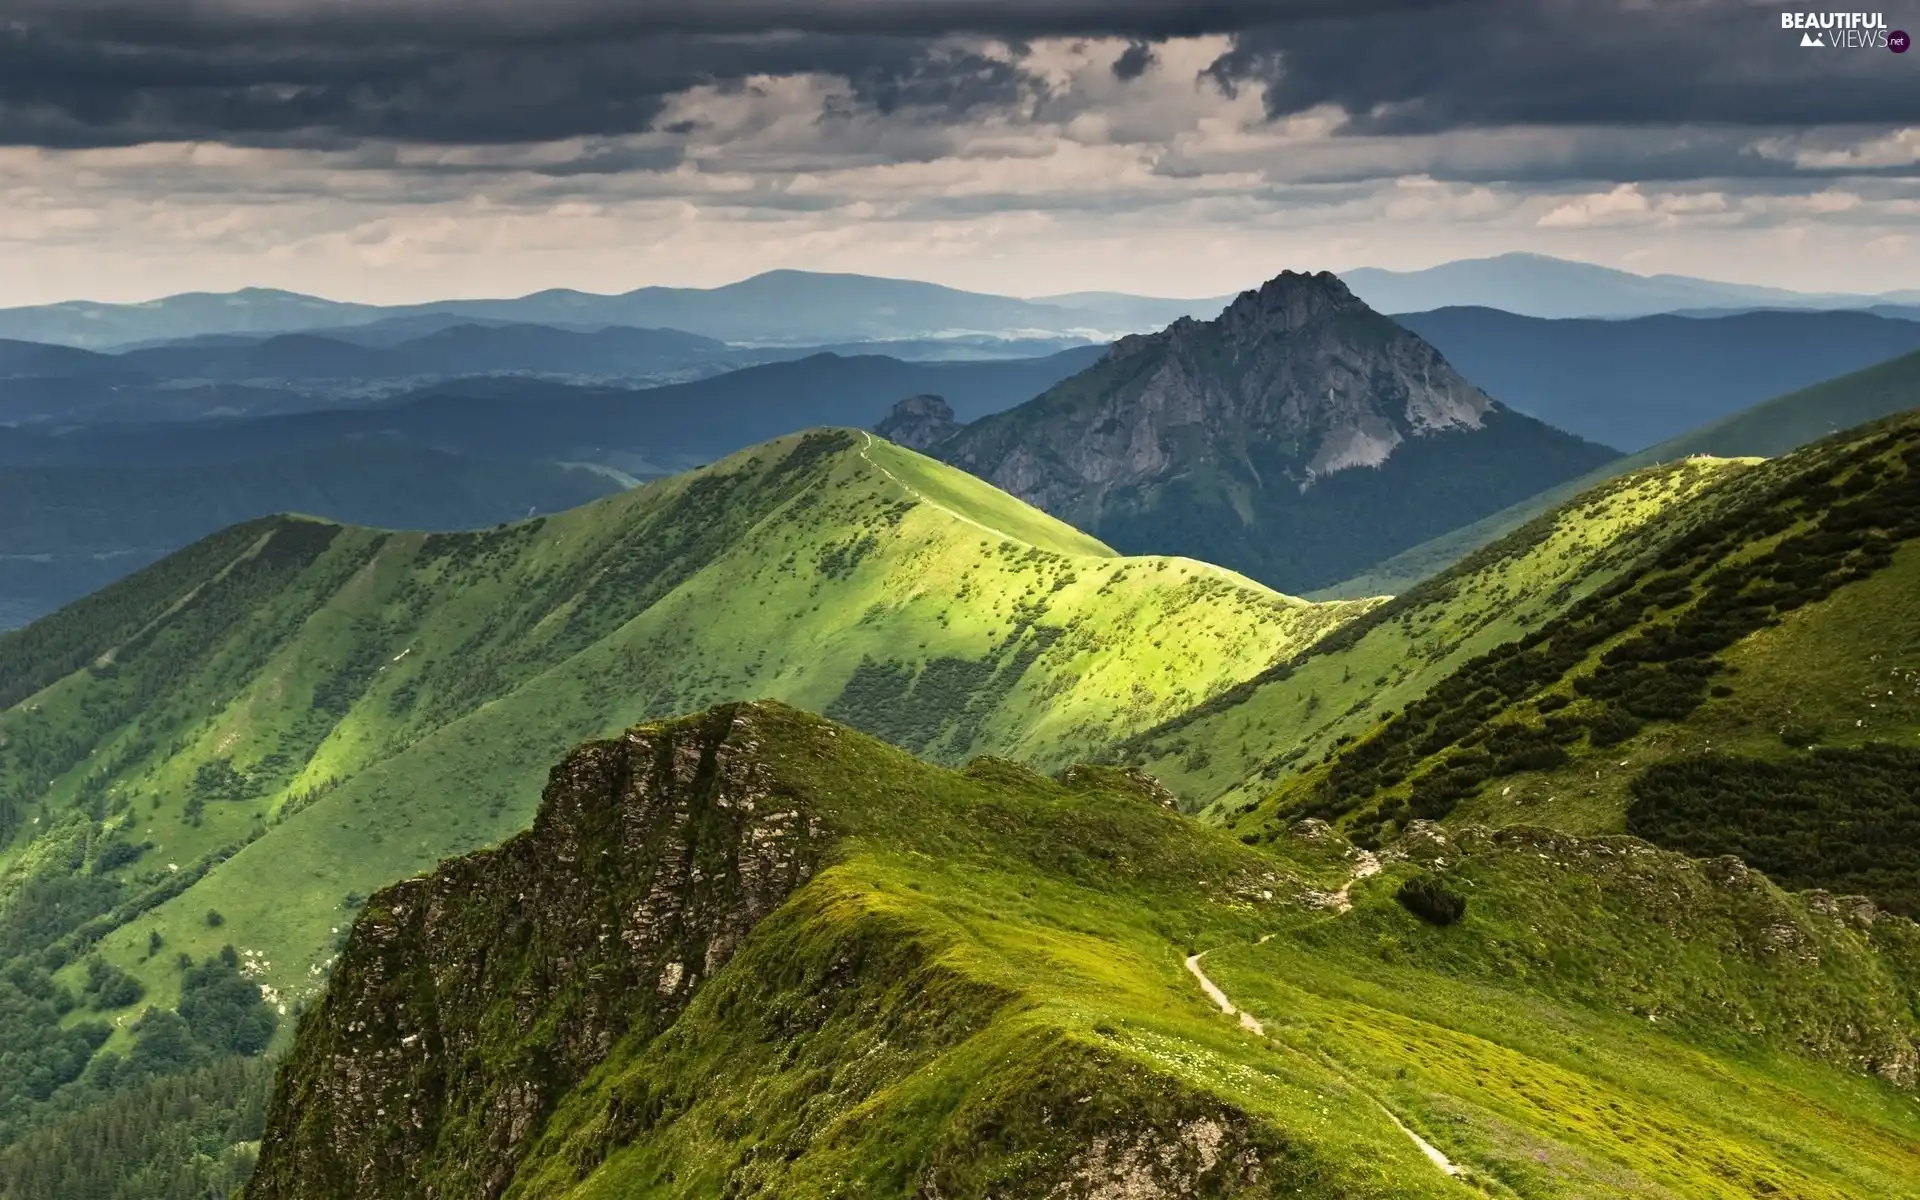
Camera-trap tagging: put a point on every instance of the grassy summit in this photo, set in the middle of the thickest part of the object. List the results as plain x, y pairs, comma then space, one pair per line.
287, 716
751, 953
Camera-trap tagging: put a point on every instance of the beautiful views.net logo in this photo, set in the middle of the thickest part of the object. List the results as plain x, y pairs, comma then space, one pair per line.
1846, 31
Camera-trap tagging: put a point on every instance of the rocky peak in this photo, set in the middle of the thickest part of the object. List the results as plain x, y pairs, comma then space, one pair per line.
1290, 301
919, 422
1296, 380
1217, 439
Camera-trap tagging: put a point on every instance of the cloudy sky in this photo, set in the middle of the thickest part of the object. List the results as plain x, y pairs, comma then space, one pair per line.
397, 150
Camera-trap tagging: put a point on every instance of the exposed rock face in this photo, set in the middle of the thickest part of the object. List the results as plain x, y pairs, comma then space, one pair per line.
1219, 439
919, 423
470, 1000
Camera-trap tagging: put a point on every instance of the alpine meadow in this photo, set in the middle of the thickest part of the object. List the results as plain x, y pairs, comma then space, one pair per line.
953, 601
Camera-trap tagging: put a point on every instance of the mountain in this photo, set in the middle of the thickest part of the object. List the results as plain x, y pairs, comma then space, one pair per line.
756, 952
642, 431
1298, 438
749, 953
1774, 427
286, 716
1634, 383
1746, 687
776, 308
1536, 285
292, 356
72, 530
250, 310
33, 360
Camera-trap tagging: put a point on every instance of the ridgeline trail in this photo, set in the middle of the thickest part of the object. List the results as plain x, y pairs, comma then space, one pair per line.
1368, 865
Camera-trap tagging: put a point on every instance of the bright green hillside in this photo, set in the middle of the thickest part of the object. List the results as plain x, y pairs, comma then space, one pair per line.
1751, 686
1237, 745
1773, 428
889, 979
292, 714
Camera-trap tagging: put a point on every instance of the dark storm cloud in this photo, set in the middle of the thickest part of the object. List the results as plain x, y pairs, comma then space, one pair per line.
1556, 62
58, 91
1134, 61
303, 72
338, 72
446, 21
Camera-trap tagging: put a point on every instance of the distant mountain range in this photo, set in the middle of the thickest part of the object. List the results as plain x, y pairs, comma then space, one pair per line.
1298, 438
229, 375
643, 431
1536, 285
457, 350
804, 308
1632, 383
775, 308
84, 504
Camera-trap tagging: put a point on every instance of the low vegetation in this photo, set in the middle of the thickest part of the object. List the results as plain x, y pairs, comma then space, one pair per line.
974, 983
235, 746
1241, 744
1681, 699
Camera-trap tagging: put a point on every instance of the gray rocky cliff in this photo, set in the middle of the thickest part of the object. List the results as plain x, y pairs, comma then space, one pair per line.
470, 1000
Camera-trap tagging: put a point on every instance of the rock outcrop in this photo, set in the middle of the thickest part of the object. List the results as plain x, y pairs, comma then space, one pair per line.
469, 1001
919, 423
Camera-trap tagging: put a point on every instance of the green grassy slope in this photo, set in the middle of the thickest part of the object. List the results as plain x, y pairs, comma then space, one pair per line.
888, 979
293, 714
1748, 688
1775, 427
1237, 745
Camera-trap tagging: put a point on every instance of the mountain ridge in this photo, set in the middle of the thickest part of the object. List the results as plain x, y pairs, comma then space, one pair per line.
1543, 286
748, 953
774, 307
344, 675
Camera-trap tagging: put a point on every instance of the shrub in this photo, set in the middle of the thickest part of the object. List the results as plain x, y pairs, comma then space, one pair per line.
109, 987
1430, 899
1610, 727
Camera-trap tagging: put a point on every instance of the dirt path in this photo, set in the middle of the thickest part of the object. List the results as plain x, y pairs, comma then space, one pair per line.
1367, 865
1247, 1021
1427, 1148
